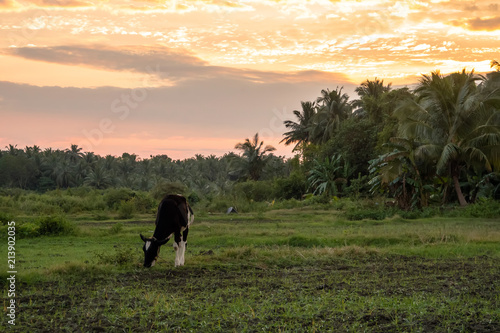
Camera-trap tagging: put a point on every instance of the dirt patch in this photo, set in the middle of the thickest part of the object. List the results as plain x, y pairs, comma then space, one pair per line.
376, 294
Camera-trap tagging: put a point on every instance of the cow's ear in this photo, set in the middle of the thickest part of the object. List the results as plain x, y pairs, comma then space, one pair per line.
162, 241
144, 239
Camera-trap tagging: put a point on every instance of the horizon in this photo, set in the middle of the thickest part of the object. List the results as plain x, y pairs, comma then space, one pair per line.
181, 78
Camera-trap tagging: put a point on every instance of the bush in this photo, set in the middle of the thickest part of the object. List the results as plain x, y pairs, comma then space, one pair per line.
126, 210
114, 197
486, 208
27, 230
55, 225
193, 198
116, 228
255, 190
5, 218
293, 187
143, 203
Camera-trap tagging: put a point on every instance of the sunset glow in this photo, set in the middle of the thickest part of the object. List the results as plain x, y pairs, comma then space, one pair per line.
185, 77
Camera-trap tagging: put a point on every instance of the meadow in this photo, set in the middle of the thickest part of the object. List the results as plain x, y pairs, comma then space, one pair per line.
309, 268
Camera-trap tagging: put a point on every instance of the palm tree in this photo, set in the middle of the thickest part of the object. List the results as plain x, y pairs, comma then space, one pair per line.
254, 157
63, 173
334, 108
13, 150
371, 99
98, 178
300, 132
74, 153
456, 127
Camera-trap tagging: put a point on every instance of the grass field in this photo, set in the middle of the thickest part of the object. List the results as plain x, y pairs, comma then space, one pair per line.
296, 270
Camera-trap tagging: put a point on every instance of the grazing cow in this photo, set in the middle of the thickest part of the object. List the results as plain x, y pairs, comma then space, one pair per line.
174, 217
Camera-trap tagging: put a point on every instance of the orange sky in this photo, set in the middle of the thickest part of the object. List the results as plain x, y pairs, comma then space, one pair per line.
186, 77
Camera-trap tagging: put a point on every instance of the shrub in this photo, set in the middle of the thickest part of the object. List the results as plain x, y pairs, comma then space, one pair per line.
126, 210
27, 230
114, 197
55, 225
293, 187
488, 208
116, 228
255, 190
193, 198
143, 203
5, 218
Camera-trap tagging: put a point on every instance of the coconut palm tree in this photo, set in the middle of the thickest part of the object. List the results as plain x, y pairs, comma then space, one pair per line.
253, 159
98, 178
74, 153
452, 120
371, 99
300, 132
333, 108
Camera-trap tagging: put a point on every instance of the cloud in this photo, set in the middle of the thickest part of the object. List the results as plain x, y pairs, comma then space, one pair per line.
487, 24
169, 64
60, 3
8, 4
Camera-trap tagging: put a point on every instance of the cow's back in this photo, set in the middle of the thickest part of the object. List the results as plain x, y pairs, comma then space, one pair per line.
171, 216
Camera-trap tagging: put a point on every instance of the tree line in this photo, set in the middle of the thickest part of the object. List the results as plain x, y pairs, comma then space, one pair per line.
40, 170
436, 143
439, 142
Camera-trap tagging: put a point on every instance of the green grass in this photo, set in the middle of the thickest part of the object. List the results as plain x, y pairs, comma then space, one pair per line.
290, 270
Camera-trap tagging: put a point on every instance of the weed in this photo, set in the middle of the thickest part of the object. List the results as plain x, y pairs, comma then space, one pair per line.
369, 214
121, 256
116, 228
301, 241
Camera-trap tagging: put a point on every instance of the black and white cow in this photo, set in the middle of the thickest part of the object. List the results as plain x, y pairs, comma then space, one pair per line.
174, 217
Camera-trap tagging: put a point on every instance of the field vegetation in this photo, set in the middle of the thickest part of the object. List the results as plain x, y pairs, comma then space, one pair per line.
295, 266
386, 220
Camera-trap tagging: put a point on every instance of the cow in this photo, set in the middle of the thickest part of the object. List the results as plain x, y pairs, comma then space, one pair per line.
174, 217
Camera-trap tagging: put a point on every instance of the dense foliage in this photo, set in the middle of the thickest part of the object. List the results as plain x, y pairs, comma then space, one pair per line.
34, 169
438, 143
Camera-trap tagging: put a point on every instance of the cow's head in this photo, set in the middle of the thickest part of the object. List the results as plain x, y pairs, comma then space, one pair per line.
151, 250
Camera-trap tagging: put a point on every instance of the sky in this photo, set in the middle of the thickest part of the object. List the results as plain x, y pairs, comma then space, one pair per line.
196, 77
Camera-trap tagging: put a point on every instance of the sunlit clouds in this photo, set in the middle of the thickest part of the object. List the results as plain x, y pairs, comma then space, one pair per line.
252, 56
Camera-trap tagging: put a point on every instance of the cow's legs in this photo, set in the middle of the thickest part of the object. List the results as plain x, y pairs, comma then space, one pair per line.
180, 247
183, 246
177, 248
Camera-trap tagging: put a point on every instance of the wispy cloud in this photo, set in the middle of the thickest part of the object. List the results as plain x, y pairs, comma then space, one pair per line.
478, 24
174, 65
